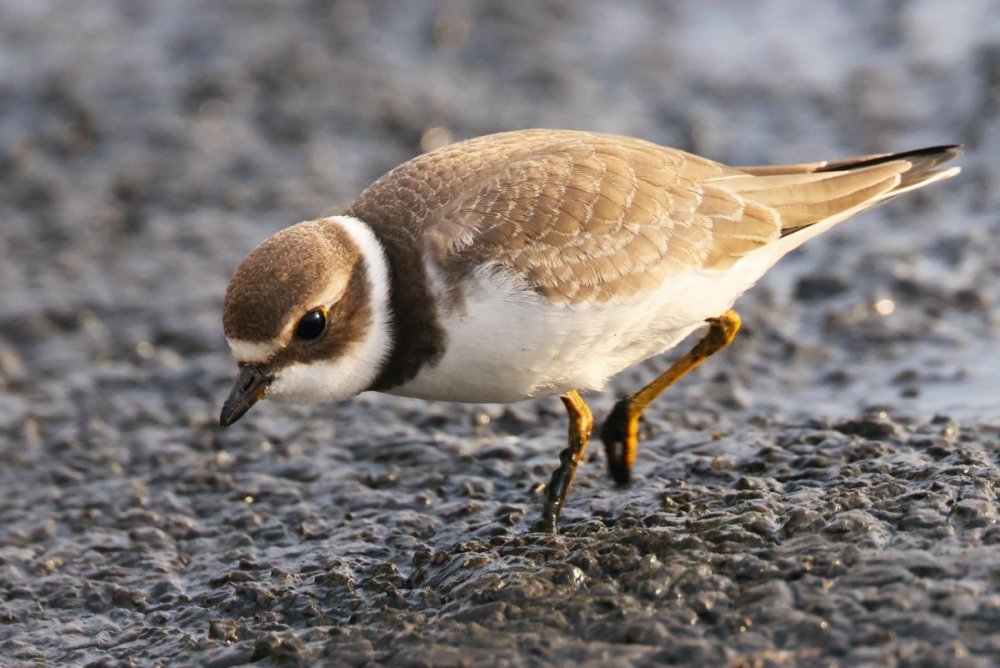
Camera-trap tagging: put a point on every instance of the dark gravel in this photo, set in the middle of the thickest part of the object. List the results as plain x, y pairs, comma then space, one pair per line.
823, 493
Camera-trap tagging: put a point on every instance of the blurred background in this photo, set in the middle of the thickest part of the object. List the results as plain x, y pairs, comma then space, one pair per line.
146, 147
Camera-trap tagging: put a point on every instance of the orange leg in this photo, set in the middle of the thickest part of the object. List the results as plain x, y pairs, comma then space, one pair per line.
620, 432
581, 422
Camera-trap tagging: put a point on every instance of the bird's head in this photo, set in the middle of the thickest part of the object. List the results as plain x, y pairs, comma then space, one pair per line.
307, 315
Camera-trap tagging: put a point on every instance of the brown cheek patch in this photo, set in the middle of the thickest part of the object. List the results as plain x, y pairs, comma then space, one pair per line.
347, 323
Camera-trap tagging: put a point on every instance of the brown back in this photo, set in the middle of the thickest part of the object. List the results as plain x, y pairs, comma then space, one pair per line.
583, 217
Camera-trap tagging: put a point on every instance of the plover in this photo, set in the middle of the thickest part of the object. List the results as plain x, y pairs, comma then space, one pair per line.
533, 263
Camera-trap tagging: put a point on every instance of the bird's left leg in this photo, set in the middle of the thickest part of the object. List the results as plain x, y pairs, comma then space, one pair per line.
581, 422
620, 432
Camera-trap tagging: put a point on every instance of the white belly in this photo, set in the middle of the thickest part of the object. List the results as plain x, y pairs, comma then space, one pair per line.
506, 343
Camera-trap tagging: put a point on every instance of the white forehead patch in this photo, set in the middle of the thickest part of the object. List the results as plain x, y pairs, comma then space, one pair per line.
251, 351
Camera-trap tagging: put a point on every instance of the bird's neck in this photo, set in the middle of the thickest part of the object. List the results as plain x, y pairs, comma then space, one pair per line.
416, 334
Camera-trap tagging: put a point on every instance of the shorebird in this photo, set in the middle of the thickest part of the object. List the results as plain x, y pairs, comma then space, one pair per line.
533, 263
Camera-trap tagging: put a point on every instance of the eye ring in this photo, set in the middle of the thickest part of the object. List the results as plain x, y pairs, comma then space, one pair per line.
312, 325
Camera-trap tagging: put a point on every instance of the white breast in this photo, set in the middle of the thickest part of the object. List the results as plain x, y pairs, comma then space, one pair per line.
506, 343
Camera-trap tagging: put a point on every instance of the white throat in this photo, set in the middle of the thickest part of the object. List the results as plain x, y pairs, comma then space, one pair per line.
356, 369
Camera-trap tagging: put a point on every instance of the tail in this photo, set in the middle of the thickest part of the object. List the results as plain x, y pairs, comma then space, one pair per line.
815, 196
922, 171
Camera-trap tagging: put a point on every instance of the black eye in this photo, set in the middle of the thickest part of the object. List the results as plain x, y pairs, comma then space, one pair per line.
311, 325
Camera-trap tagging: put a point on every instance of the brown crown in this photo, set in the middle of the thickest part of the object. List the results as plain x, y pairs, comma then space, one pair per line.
280, 278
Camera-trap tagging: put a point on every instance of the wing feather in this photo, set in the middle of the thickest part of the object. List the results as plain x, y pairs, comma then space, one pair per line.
580, 216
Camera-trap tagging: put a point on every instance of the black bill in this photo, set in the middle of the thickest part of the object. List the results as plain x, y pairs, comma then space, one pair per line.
248, 390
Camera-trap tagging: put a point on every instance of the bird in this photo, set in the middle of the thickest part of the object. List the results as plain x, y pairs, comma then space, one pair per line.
533, 263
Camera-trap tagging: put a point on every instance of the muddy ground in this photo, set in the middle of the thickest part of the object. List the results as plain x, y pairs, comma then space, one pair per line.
823, 493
